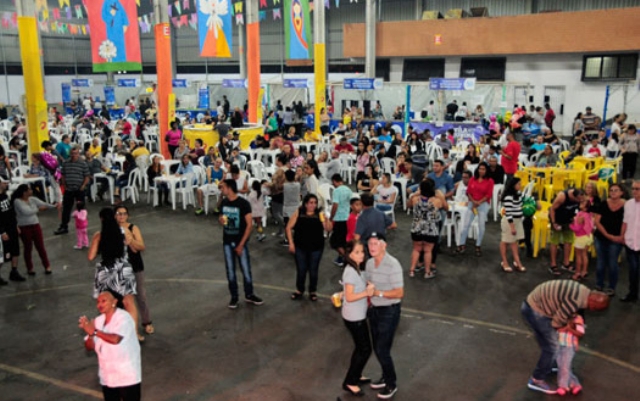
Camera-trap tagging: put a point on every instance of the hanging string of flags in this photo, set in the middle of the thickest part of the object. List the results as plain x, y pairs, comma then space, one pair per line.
182, 13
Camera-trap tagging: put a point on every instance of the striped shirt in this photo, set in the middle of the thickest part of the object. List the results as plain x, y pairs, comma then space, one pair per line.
386, 277
74, 174
512, 207
559, 300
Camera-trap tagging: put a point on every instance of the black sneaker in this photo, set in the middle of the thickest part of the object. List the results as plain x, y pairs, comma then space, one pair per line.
3, 281
378, 384
15, 276
387, 392
254, 299
61, 230
233, 304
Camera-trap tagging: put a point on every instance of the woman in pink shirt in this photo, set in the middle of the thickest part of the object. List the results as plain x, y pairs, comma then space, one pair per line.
173, 138
479, 192
362, 160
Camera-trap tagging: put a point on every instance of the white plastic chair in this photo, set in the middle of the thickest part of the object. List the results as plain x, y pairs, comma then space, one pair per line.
325, 191
495, 200
388, 165
186, 190
132, 186
200, 175
347, 169
150, 140
257, 169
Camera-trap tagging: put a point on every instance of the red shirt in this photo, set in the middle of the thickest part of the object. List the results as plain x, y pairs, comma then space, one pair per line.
351, 225
126, 128
513, 150
346, 147
478, 190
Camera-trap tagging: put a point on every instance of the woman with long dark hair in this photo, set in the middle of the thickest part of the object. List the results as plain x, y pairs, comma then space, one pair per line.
114, 272
354, 314
134, 253
27, 208
307, 243
511, 225
312, 173
609, 217
479, 192
425, 231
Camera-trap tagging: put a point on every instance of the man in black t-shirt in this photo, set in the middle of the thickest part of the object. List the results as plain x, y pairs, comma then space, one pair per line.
10, 249
237, 223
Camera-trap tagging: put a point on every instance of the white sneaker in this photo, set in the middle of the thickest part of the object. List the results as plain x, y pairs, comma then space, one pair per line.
77, 247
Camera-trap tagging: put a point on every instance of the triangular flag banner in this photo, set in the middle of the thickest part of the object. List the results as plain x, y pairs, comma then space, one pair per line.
68, 10
56, 13
79, 12
84, 29
88, 29
276, 2
44, 27
175, 21
238, 7
63, 2
74, 29
262, 15
185, 5
277, 14
327, 4
178, 7
263, 3
45, 14
239, 19
193, 22
337, 3
54, 27
311, 6
170, 11
184, 20
138, 3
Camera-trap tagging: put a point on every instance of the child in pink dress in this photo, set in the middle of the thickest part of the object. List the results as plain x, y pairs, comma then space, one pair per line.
80, 216
582, 227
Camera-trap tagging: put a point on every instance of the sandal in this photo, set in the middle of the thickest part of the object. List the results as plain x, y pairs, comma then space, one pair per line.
554, 270
296, 296
412, 273
478, 251
148, 328
313, 297
429, 274
568, 268
460, 250
519, 268
506, 269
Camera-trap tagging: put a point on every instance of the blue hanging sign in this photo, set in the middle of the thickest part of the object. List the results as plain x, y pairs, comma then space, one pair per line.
66, 93
82, 83
297, 83
110, 95
129, 83
452, 84
203, 97
362, 83
235, 83
181, 83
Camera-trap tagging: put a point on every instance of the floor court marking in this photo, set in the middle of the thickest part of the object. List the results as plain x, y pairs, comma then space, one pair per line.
493, 327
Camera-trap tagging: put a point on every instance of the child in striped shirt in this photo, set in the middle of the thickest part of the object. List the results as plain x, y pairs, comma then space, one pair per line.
568, 338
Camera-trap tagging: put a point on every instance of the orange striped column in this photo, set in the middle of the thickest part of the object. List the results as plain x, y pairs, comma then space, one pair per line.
165, 76
253, 59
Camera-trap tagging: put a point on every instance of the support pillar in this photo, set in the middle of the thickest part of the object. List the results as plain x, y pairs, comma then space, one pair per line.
253, 59
35, 104
242, 52
370, 41
319, 64
164, 87
407, 112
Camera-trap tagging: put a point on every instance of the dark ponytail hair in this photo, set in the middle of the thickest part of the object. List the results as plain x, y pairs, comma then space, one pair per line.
111, 245
351, 245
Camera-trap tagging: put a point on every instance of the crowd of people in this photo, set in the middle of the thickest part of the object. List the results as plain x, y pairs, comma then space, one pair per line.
306, 195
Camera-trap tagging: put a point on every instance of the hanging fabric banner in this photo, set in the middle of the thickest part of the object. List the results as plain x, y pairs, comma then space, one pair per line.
214, 28
109, 95
115, 37
297, 29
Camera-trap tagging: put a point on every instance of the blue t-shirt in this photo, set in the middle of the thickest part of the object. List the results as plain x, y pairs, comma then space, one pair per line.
216, 175
385, 138
342, 196
538, 147
444, 181
64, 150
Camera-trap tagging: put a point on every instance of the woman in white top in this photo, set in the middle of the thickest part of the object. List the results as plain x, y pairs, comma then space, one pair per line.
386, 194
354, 313
112, 335
629, 145
313, 174
618, 124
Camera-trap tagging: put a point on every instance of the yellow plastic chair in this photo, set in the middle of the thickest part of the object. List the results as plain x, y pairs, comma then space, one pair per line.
605, 176
558, 182
541, 231
563, 156
524, 176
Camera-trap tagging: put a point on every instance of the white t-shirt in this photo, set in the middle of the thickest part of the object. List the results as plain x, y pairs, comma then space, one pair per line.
384, 193
354, 311
119, 364
86, 103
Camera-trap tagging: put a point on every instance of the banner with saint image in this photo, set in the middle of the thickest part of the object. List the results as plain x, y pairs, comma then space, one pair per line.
115, 37
297, 30
214, 28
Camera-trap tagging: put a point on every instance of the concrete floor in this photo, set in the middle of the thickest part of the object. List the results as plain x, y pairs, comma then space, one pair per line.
460, 336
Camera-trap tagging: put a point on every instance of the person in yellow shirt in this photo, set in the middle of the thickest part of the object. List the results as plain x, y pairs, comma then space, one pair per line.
138, 150
95, 149
311, 136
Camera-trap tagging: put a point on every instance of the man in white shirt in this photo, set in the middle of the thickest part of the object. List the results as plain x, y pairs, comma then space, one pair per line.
631, 235
86, 103
595, 149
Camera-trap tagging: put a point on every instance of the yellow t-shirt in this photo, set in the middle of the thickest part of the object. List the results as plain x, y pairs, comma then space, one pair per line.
140, 151
312, 136
95, 150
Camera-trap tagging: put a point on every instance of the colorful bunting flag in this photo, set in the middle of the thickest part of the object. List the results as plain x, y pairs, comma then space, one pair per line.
238, 7
327, 4
84, 29
79, 12
277, 14
63, 2
276, 2
56, 13
262, 15
337, 3
193, 21
239, 19
170, 11
185, 5
263, 3
311, 6
68, 10
178, 7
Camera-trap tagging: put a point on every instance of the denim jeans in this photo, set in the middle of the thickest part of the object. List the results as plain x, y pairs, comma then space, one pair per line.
384, 321
566, 378
230, 258
633, 259
547, 338
360, 333
384, 207
307, 262
608, 253
467, 219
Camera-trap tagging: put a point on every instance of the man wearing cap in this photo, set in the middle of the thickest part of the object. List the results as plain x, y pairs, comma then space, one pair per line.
385, 273
371, 220
549, 308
